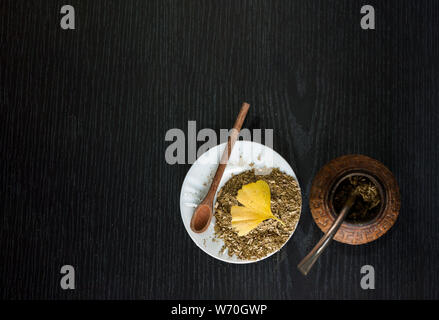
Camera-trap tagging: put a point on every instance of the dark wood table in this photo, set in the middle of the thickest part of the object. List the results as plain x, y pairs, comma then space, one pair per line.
84, 115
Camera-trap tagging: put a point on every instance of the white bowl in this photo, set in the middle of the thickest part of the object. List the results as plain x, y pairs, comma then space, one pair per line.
245, 155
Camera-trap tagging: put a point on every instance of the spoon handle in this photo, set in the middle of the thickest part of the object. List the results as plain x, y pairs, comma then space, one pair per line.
233, 136
306, 264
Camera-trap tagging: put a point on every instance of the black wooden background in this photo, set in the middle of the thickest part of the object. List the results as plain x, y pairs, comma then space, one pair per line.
84, 115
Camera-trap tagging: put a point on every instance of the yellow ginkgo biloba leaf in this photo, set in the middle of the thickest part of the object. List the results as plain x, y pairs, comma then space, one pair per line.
256, 199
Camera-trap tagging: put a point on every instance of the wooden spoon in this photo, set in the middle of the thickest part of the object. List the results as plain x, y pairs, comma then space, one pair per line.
203, 213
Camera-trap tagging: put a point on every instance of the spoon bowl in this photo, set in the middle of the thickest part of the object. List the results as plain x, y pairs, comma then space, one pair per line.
201, 218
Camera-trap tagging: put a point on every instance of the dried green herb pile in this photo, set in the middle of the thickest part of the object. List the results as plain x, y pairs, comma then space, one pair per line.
366, 205
270, 235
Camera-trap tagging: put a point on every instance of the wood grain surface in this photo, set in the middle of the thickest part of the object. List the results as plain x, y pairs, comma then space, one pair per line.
84, 115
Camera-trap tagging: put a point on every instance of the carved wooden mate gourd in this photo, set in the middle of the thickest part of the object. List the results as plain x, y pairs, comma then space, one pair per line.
332, 220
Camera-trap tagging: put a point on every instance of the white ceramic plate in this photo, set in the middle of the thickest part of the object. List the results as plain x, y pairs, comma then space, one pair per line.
245, 155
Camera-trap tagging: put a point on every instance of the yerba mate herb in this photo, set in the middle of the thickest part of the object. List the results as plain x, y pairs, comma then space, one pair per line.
270, 235
366, 203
